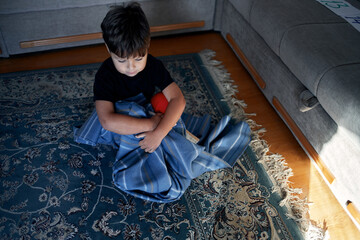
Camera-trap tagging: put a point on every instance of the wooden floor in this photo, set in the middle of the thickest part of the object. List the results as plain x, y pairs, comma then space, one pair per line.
324, 206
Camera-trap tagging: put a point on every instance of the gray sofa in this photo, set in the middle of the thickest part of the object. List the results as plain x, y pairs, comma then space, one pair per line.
307, 62
38, 25
305, 58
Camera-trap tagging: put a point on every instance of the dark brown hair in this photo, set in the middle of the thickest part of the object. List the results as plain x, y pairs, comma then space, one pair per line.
126, 30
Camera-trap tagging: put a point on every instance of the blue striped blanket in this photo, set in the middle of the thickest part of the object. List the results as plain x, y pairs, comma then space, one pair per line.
165, 174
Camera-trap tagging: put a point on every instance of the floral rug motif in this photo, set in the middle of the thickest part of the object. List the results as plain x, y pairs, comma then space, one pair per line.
54, 188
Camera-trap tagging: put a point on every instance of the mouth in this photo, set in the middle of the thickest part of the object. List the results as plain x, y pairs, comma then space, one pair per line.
131, 73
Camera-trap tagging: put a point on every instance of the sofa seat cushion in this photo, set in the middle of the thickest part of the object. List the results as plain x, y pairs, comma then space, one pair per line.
315, 45
273, 19
326, 59
339, 94
310, 51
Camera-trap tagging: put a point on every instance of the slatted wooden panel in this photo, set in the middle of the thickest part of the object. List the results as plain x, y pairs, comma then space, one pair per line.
93, 36
242, 56
304, 142
355, 213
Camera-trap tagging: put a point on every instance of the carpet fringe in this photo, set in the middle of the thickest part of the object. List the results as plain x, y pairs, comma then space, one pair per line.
274, 164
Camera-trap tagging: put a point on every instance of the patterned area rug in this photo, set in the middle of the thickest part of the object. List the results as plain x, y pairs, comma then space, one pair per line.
54, 188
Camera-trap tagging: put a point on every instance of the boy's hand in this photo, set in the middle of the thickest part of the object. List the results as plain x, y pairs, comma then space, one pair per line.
151, 141
175, 107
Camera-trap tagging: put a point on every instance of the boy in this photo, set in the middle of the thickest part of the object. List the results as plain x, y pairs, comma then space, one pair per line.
129, 71
164, 175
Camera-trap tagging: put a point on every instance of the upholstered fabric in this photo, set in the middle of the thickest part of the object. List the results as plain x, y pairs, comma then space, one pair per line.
244, 7
301, 45
21, 6
339, 95
311, 50
314, 44
36, 20
273, 19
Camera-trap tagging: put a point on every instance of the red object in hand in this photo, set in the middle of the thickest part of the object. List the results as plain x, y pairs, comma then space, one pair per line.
159, 103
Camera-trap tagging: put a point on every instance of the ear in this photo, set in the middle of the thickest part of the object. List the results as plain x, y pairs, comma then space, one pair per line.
107, 48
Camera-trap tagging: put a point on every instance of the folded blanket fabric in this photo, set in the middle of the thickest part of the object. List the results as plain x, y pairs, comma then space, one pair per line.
165, 174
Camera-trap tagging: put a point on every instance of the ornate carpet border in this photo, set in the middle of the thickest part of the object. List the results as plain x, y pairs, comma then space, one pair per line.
274, 164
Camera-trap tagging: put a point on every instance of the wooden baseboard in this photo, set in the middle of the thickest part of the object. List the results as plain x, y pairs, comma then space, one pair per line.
296, 130
93, 36
353, 211
67, 39
246, 62
177, 26
304, 142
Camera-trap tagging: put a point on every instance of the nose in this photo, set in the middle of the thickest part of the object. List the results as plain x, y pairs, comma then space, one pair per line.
131, 64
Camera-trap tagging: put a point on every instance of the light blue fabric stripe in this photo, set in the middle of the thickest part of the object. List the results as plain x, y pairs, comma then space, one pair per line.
199, 126
164, 175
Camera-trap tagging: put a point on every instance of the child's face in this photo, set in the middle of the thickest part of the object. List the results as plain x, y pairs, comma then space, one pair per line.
129, 66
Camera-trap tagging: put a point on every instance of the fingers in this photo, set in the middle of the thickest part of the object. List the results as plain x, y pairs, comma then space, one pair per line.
144, 146
147, 149
141, 135
150, 141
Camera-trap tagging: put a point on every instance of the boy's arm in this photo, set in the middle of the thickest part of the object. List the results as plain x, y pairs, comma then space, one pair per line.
123, 124
175, 108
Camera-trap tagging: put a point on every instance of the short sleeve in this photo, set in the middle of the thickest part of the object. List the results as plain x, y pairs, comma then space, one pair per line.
161, 75
104, 88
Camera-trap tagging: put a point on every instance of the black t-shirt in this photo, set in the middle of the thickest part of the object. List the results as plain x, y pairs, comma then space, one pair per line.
110, 85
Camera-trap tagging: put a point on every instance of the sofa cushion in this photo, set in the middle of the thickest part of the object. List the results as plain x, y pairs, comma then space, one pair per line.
311, 50
326, 59
273, 19
339, 95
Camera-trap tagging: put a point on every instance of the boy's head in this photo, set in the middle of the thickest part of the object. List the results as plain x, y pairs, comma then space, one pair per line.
126, 31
